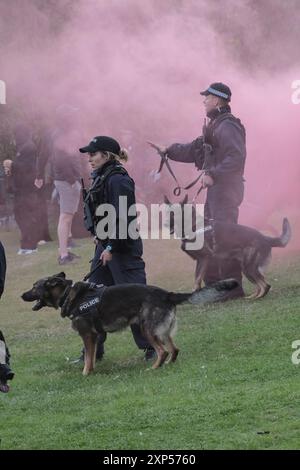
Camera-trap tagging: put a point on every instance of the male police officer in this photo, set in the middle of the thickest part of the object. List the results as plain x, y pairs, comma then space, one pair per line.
224, 168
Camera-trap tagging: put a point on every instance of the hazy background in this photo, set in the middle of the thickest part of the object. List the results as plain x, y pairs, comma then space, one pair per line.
134, 68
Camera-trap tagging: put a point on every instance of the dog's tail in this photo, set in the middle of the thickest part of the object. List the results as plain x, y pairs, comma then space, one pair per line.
176, 299
214, 293
285, 236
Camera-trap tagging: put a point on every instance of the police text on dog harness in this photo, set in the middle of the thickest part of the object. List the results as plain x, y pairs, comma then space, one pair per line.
89, 303
85, 306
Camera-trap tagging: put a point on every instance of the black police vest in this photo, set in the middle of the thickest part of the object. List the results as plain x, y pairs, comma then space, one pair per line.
97, 194
87, 304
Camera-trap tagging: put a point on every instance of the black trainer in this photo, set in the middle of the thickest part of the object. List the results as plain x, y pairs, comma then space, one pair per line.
70, 258
74, 255
5, 374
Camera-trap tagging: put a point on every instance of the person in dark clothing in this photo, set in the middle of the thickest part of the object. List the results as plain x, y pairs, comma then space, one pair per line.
119, 259
22, 173
44, 185
5, 372
223, 159
2, 268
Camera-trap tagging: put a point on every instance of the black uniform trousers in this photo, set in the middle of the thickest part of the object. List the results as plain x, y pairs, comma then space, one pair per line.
222, 205
26, 215
122, 269
43, 194
4, 352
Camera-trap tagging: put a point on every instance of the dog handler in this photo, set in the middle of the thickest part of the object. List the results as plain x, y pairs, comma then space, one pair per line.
5, 371
223, 166
120, 258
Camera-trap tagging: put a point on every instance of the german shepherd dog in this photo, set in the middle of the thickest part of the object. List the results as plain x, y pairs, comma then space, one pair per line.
223, 241
95, 310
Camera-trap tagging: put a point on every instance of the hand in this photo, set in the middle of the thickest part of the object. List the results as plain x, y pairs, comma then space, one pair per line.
206, 181
38, 183
163, 149
105, 257
7, 164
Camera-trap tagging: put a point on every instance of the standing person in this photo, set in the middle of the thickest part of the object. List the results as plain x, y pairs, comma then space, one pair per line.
44, 185
121, 259
224, 169
58, 148
22, 173
5, 372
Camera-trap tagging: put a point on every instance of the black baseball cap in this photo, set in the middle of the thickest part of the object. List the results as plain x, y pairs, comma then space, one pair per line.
218, 89
102, 143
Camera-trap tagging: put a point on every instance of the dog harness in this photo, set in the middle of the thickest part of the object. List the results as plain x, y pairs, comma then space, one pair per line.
89, 302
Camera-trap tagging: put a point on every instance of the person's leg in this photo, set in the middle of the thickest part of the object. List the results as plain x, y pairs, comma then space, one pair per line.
229, 268
5, 372
68, 203
26, 218
33, 219
222, 205
3, 353
101, 275
127, 269
19, 218
212, 273
42, 210
63, 230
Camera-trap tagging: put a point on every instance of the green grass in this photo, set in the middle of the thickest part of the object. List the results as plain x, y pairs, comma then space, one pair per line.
233, 379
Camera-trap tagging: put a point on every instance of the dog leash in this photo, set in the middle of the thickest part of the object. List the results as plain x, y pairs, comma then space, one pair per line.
164, 161
99, 263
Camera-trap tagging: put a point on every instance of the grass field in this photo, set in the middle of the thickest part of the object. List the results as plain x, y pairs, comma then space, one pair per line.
233, 387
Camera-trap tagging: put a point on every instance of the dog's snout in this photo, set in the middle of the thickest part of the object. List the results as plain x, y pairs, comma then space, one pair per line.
28, 296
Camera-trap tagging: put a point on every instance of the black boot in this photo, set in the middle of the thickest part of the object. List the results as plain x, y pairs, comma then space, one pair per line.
5, 374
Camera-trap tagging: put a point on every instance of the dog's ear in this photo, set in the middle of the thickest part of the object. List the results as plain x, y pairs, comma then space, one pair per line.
62, 275
54, 281
166, 200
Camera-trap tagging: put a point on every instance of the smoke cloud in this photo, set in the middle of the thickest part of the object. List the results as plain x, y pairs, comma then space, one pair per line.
135, 69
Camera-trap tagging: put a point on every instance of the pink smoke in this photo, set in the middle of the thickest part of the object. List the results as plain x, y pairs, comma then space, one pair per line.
139, 66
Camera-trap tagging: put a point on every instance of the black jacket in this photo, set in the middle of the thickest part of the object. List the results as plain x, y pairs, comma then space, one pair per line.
2, 268
24, 170
116, 185
226, 135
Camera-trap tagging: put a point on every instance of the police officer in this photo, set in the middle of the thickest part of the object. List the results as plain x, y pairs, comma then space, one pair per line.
5, 372
21, 173
224, 163
120, 259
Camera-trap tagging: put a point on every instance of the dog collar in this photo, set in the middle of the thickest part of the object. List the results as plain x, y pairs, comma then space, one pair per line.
64, 296
208, 228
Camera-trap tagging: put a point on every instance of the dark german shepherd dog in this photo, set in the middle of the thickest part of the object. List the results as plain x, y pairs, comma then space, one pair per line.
95, 310
232, 241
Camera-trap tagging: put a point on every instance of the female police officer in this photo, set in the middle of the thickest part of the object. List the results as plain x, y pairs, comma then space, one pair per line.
119, 259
